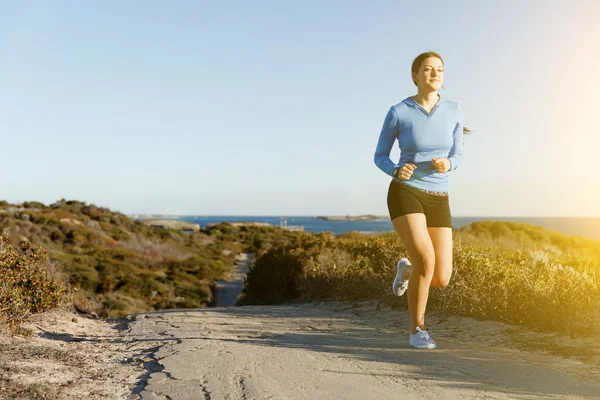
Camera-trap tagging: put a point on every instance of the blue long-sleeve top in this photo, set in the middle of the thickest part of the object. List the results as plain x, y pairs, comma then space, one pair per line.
422, 136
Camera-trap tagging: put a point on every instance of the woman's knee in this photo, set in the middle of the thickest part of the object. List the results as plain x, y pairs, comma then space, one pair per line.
426, 263
440, 281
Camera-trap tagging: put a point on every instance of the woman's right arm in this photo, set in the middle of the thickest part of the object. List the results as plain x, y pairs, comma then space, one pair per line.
388, 135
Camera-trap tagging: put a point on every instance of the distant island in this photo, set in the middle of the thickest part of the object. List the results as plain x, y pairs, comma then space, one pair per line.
351, 218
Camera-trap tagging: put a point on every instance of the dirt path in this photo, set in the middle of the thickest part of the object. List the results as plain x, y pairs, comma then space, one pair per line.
340, 350
228, 291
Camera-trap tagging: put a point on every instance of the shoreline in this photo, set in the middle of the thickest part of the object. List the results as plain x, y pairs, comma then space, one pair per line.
351, 218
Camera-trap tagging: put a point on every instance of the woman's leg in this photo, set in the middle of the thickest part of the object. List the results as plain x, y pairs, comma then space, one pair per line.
414, 234
442, 245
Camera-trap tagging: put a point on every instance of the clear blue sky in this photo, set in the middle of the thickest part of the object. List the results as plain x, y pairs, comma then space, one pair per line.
274, 108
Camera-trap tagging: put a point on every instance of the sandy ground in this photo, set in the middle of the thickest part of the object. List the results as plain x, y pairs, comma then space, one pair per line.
350, 351
310, 351
71, 356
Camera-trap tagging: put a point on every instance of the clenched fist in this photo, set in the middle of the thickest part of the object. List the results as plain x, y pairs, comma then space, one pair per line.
405, 172
441, 164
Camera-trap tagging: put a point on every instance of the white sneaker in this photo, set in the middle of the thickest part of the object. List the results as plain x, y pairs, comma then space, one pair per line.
421, 340
400, 285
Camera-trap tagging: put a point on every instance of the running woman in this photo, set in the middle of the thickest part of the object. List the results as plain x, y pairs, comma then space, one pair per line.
429, 130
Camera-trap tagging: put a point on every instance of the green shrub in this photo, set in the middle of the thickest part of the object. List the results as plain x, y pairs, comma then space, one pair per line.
119, 266
25, 287
532, 287
273, 279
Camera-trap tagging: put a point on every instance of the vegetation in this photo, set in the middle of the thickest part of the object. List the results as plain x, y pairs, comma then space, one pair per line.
112, 265
25, 285
502, 271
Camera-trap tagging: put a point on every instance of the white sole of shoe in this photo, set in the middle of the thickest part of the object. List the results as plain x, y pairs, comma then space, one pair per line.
399, 286
425, 346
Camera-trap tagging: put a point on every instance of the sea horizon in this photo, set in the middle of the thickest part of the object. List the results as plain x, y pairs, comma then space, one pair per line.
350, 215
586, 227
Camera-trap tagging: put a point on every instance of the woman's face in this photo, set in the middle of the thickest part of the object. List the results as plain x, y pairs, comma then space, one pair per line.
431, 74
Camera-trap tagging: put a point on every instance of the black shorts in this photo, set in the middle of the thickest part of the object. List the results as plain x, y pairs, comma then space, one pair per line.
404, 199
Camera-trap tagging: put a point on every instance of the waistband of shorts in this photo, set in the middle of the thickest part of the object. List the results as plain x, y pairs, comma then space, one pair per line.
443, 194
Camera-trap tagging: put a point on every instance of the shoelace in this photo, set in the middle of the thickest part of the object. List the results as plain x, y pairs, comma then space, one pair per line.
423, 334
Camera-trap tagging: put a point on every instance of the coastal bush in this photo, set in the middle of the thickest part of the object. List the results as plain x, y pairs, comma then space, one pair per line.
528, 286
25, 285
118, 266
273, 278
526, 237
523, 289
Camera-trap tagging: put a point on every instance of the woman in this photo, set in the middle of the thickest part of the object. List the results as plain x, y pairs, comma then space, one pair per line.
429, 130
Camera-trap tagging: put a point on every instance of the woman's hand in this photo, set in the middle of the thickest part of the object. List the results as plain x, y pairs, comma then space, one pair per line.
441, 164
405, 172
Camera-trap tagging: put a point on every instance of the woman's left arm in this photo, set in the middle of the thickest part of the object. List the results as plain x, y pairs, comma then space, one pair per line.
456, 152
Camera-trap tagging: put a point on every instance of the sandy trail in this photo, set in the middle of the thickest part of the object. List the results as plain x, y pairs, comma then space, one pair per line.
228, 290
341, 350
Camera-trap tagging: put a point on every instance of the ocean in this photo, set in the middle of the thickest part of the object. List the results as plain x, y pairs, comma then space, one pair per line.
584, 227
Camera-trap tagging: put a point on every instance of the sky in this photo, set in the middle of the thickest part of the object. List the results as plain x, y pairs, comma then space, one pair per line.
275, 108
